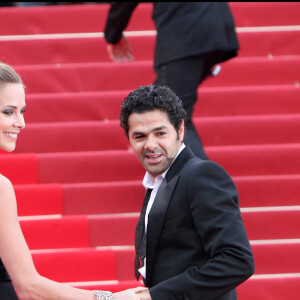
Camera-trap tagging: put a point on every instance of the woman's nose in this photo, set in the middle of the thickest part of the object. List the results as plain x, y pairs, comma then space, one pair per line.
20, 122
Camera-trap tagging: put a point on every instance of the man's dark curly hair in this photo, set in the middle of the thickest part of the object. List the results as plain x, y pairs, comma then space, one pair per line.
151, 97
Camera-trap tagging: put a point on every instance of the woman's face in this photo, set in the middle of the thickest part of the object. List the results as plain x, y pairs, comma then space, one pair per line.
12, 108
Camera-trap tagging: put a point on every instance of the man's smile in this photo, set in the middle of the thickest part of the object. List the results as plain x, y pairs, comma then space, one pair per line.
153, 158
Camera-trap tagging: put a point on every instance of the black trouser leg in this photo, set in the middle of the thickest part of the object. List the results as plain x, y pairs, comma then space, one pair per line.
183, 77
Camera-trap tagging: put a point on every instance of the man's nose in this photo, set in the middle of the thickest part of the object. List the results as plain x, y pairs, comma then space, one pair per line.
150, 143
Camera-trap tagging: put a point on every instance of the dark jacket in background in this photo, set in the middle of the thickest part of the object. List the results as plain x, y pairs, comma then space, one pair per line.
183, 29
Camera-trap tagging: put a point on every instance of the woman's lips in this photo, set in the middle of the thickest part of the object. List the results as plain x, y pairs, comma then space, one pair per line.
11, 135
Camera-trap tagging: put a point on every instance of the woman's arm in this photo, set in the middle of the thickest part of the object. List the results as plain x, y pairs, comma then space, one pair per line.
18, 262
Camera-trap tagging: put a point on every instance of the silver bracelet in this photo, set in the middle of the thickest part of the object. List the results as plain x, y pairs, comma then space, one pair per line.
103, 295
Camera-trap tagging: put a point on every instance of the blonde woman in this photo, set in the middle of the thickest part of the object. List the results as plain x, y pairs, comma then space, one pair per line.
16, 264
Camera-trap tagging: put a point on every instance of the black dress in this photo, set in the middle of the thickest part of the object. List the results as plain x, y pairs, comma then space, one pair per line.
7, 291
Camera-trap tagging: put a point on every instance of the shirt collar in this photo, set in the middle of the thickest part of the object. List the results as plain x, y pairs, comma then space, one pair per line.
148, 181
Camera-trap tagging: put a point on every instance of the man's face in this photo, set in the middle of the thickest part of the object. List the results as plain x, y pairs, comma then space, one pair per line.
154, 140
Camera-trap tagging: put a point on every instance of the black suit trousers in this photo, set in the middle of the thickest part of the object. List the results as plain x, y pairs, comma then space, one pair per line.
184, 76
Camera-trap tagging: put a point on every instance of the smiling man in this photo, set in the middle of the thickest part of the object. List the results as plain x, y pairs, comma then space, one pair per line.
190, 239
154, 140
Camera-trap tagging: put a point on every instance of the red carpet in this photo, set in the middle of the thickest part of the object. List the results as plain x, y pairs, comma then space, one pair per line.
216, 101
215, 131
91, 18
78, 186
93, 49
265, 255
75, 77
118, 229
83, 198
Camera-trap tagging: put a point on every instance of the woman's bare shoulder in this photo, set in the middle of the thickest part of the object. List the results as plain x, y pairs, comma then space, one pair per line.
5, 185
8, 205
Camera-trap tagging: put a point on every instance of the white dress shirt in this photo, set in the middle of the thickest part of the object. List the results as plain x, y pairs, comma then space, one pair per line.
149, 183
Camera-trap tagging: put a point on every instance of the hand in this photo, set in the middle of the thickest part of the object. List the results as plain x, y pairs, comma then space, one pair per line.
120, 52
144, 295
130, 294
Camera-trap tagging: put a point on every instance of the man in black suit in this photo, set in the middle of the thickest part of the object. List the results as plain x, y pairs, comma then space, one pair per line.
190, 238
192, 37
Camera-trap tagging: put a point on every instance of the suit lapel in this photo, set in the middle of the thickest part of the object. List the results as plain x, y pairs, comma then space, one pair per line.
158, 211
139, 233
141, 222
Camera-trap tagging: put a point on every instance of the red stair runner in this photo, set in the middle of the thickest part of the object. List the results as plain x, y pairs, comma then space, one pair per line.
78, 186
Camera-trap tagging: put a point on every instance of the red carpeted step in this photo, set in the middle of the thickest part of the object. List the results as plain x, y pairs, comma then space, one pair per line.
124, 262
276, 258
273, 224
260, 191
271, 287
123, 165
56, 232
68, 19
73, 136
93, 49
258, 14
105, 230
269, 43
247, 130
56, 263
247, 100
257, 71
112, 230
108, 197
91, 18
103, 197
214, 131
77, 77
258, 160
19, 168
76, 265
88, 167
71, 50
118, 229
88, 106
217, 101
39, 199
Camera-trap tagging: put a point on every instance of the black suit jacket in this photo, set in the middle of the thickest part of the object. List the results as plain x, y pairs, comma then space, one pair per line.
183, 29
197, 246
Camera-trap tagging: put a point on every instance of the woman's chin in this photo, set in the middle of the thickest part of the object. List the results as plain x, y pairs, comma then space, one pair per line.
8, 148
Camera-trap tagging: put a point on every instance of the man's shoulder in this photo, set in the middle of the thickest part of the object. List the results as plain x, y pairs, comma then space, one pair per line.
196, 167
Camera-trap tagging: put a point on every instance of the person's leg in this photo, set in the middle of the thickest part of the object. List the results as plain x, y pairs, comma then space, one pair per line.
183, 77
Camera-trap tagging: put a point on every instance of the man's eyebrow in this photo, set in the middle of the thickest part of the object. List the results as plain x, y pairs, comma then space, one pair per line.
159, 128
152, 130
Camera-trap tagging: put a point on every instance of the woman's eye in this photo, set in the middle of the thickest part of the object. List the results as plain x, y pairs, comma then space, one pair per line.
8, 112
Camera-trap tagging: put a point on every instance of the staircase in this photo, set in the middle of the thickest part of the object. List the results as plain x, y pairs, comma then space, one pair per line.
77, 183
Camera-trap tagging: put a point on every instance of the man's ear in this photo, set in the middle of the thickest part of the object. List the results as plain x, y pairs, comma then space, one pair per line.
181, 131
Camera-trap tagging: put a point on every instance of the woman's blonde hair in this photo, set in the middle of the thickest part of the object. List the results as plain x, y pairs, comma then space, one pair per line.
8, 74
